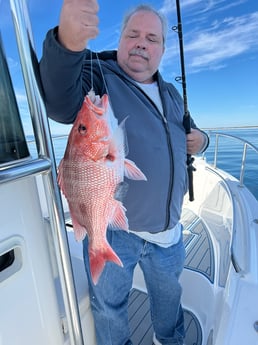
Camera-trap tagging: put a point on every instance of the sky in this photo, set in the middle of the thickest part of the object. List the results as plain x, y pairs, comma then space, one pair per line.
220, 51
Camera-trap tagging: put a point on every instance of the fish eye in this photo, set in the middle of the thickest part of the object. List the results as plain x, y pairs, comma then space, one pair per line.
82, 129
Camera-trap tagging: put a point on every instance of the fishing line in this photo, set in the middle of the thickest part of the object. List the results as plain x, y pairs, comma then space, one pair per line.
102, 75
91, 70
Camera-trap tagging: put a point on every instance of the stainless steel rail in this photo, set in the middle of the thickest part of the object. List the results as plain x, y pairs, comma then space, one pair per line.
23, 169
246, 145
44, 146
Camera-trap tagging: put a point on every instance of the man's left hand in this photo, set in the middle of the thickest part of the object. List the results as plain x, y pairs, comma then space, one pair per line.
195, 141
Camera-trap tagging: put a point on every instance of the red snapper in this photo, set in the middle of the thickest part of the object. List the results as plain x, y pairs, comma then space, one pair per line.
89, 175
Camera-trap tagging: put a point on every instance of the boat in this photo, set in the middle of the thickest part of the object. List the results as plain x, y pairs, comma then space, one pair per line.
43, 287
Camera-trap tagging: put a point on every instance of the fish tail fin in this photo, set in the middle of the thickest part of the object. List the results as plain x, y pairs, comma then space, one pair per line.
133, 172
98, 259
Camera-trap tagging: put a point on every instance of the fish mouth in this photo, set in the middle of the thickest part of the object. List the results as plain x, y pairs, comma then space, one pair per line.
98, 105
98, 111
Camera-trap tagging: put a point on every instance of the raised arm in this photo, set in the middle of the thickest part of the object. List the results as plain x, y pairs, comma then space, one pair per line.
64, 52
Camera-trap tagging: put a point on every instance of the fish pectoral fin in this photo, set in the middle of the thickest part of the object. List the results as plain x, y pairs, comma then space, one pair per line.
132, 171
119, 219
98, 259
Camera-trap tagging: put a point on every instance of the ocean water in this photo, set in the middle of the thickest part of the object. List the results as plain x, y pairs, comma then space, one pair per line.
229, 158
230, 154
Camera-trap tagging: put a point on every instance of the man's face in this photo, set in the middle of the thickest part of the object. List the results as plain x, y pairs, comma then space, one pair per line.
141, 46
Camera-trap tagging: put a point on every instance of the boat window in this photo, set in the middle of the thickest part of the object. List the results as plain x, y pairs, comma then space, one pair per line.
13, 144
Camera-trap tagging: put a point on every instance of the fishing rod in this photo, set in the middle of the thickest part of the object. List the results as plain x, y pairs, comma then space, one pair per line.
182, 79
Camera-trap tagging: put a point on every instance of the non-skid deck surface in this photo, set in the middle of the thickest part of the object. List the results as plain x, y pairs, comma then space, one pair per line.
198, 244
140, 321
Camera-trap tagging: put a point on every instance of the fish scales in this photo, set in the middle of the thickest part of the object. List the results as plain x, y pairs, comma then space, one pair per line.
93, 166
92, 187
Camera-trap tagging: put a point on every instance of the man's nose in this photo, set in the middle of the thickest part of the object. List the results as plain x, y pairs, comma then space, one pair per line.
141, 43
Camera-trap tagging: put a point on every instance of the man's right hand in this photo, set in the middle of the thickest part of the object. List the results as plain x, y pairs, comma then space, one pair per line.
78, 23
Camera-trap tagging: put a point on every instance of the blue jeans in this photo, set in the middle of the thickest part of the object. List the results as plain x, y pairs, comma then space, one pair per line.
109, 298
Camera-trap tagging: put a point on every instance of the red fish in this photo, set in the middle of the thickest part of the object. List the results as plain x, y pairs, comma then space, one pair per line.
92, 169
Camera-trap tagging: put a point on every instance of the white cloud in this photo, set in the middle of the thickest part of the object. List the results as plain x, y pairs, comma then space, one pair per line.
211, 36
229, 38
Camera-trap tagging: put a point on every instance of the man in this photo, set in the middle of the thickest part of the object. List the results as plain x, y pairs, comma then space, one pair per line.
157, 144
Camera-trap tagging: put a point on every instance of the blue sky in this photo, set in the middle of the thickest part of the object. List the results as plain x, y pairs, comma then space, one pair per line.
221, 53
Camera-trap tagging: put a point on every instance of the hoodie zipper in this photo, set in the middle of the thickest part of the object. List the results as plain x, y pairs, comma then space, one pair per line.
171, 175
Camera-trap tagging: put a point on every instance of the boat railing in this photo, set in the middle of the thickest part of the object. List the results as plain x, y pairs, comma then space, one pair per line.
246, 145
223, 146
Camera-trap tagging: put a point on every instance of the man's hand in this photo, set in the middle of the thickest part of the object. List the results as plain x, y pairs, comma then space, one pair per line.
195, 141
78, 23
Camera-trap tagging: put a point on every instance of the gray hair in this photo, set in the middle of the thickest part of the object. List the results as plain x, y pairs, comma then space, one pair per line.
147, 8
